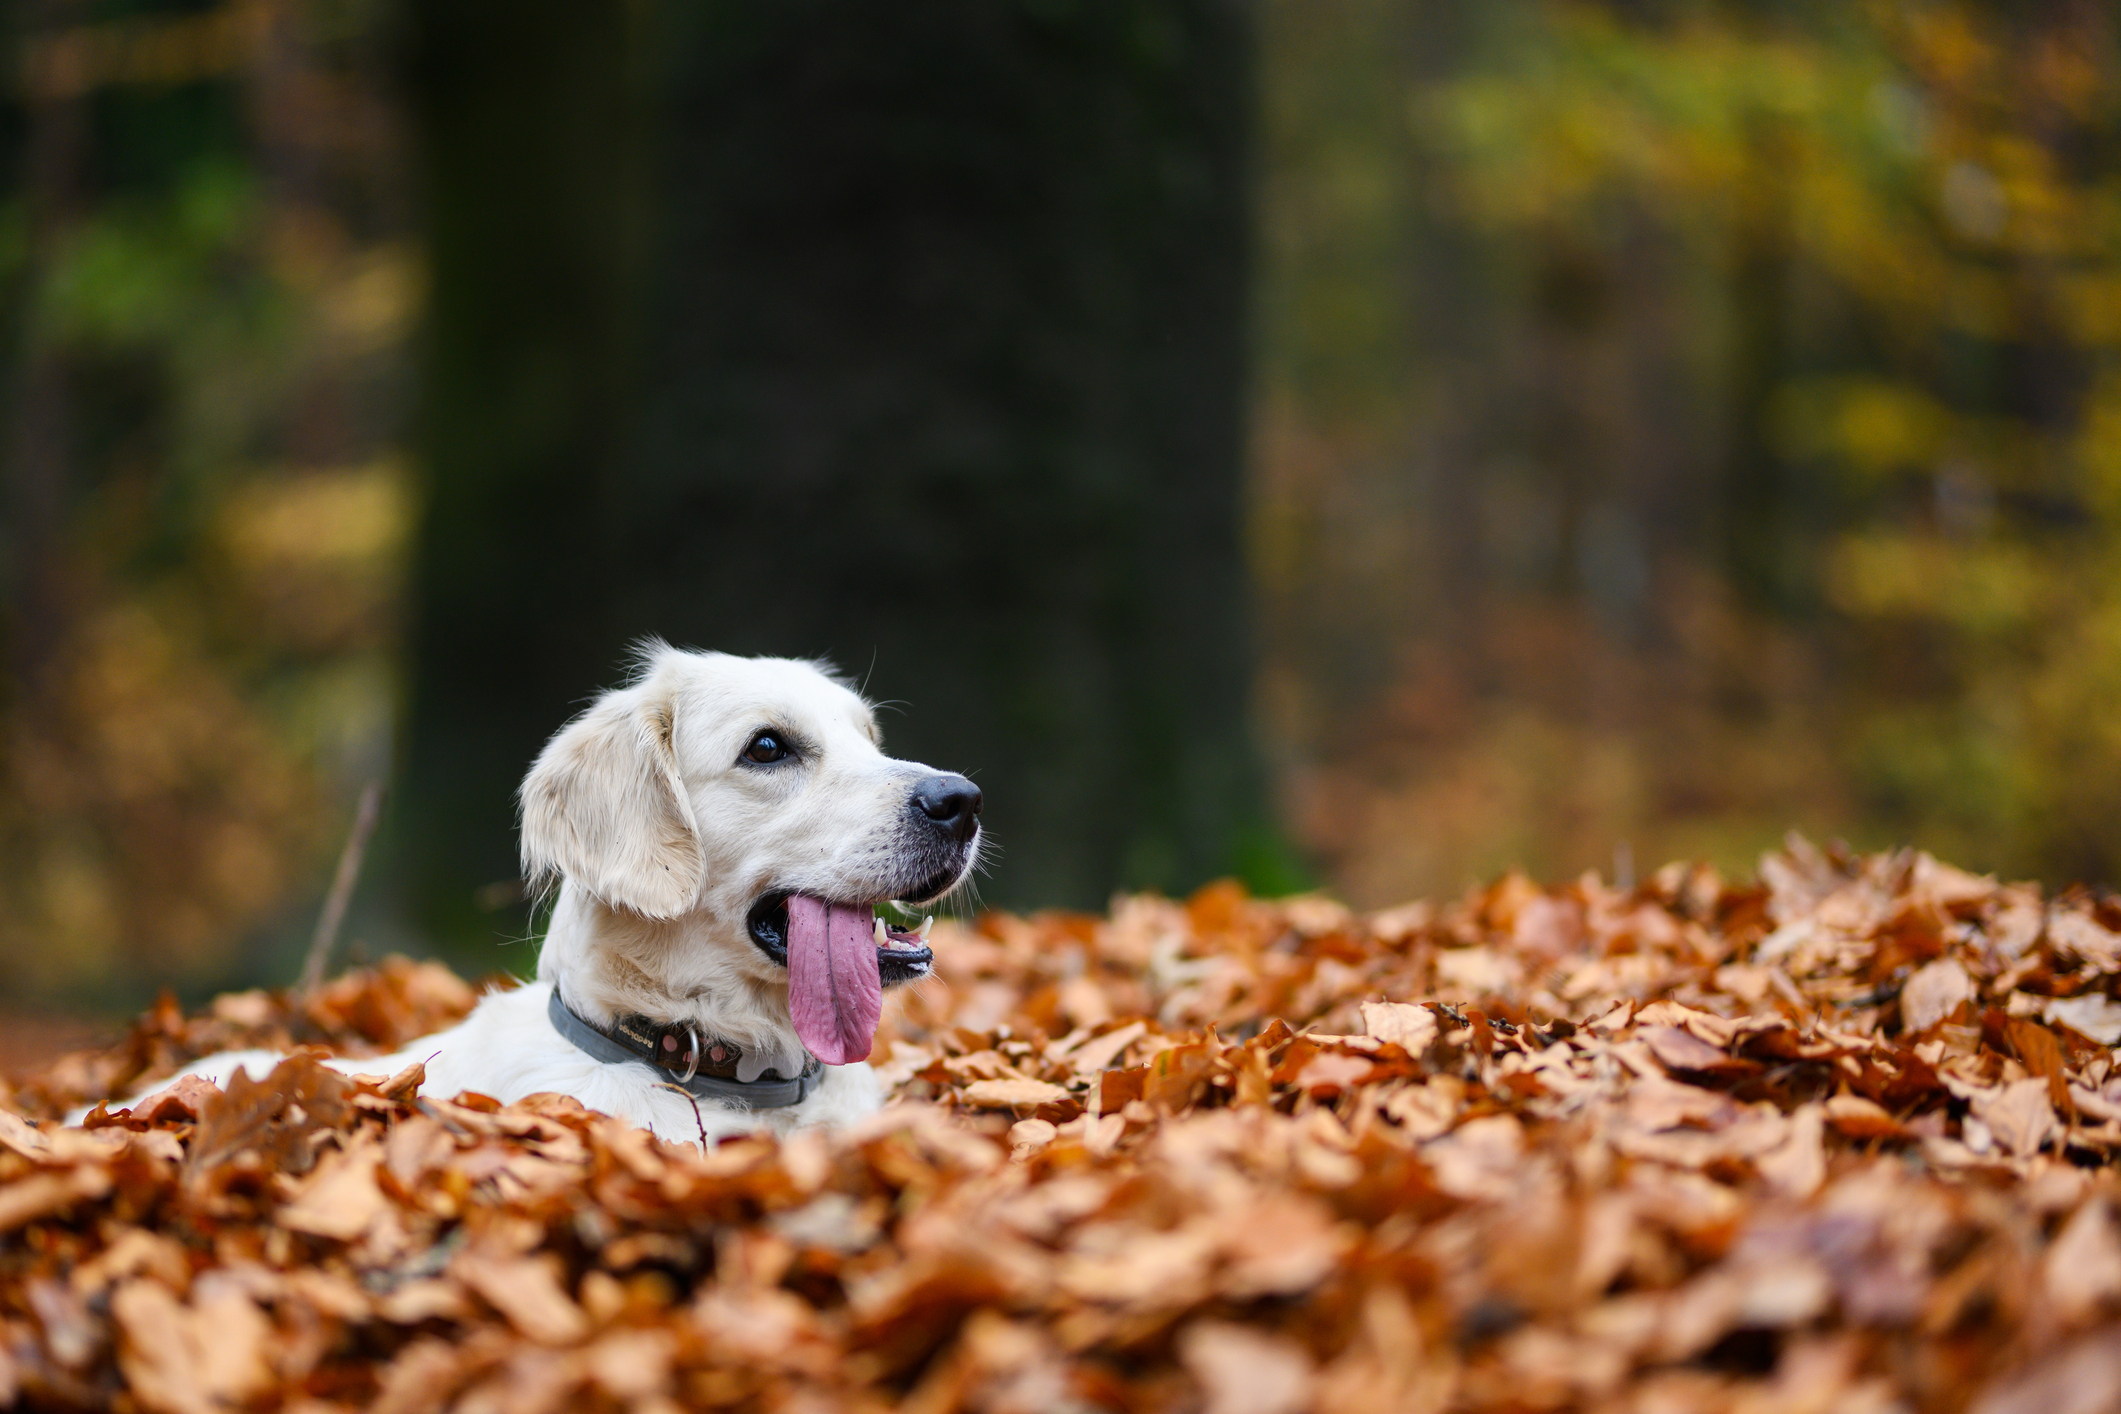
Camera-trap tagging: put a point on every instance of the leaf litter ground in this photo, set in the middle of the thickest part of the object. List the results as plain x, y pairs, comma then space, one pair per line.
1840, 1139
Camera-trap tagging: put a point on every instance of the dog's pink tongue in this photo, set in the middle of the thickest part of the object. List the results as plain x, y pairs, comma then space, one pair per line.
834, 991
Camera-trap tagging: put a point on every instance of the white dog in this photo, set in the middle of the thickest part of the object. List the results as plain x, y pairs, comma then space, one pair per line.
721, 830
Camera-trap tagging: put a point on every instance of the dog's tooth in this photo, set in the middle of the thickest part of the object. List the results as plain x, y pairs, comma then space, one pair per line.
883, 937
926, 924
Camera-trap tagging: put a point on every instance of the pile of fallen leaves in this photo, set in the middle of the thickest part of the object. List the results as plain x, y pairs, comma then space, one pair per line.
1839, 1139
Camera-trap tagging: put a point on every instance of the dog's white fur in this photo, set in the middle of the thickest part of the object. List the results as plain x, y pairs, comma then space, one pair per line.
663, 837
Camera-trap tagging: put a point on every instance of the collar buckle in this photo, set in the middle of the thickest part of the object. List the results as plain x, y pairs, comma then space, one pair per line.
620, 1047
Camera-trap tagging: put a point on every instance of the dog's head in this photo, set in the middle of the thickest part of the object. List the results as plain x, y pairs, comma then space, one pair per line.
751, 797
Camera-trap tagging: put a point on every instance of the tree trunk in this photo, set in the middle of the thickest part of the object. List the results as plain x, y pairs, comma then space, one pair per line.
525, 135
942, 377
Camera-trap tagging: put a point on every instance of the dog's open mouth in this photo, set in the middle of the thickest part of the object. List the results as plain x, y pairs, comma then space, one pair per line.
839, 958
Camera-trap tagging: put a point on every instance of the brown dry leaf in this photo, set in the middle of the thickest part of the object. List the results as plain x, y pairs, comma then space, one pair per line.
1479, 1158
422, 1377
233, 1338
2019, 1115
1424, 1111
1798, 1165
183, 1359
2084, 1378
631, 1364
1333, 1070
1244, 1370
1010, 1093
2082, 1269
157, 1352
1671, 1148
41, 1195
1716, 1030
70, 1331
2095, 1015
1413, 1027
181, 1101
1279, 1247
1862, 1119
133, 1251
1098, 1052
1477, 972
2081, 939
1655, 1103
525, 1291
1126, 1265
276, 1119
1934, 992
1681, 1050
23, 1137
340, 1199
423, 1300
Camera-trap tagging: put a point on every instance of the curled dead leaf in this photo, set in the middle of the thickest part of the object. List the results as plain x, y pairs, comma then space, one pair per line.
1243, 1370
1012, 1093
1412, 1027
1934, 992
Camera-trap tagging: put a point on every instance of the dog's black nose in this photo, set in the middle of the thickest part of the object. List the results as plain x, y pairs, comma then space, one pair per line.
952, 802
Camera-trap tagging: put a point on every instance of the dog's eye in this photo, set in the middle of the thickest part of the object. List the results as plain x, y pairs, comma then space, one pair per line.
765, 749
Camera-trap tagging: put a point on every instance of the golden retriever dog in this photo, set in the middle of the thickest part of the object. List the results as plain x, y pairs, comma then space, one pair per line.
721, 830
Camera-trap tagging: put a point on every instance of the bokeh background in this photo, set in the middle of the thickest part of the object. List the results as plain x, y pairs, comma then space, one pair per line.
1353, 443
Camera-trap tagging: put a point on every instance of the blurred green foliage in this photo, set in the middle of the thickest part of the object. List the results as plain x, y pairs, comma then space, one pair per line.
207, 290
1673, 422
1711, 408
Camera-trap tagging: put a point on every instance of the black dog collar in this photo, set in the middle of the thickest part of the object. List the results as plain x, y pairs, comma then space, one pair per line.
711, 1076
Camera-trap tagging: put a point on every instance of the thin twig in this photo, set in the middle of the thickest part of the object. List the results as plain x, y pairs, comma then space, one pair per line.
342, 887
696, 1118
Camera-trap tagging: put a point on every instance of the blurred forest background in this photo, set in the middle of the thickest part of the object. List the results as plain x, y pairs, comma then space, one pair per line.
1352, 442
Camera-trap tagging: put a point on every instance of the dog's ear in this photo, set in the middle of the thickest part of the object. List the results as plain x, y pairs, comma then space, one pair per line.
605, 806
